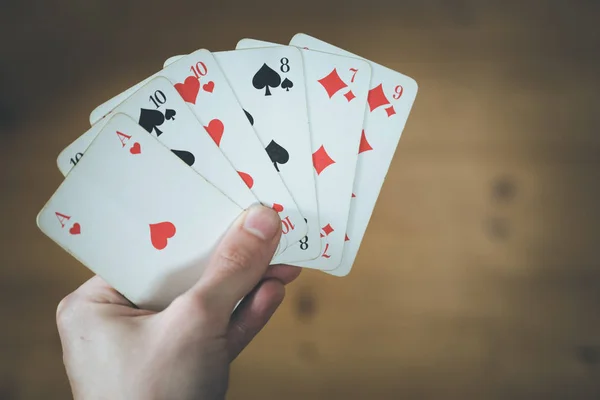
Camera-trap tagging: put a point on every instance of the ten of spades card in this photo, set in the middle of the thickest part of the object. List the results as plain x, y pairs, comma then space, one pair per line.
161, 112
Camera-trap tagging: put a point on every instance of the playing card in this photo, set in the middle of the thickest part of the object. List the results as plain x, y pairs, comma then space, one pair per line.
269, 84
171, 60
137, 216
337, 88
160, 110
204, 88
390, 100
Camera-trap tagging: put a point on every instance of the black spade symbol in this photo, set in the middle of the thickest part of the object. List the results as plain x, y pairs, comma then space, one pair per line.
150, 120
170, 114
287, 84
185, 156
250, 117
266, 78
277, 154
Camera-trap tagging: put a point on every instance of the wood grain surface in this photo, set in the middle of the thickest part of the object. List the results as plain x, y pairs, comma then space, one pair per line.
479, 277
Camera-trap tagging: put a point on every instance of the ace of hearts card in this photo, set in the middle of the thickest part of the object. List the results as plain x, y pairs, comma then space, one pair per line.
137, 215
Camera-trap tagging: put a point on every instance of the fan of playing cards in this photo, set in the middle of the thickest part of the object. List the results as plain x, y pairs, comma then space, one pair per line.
169, 164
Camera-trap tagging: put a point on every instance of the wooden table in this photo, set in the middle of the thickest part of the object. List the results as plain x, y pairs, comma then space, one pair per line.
479, 277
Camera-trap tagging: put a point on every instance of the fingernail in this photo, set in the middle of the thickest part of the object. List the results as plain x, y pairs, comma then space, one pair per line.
262, 222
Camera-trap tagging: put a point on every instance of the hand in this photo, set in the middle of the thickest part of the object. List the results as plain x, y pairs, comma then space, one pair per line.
112, 350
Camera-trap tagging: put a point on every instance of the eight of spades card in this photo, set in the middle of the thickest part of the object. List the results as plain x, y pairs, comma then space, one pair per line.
390, 100
137, 215
337, 89
202, 85
269, 84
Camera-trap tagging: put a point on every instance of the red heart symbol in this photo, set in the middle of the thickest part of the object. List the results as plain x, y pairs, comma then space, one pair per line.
209, 87
189, 89
75, 229
277, 207
215, 129
160, 234
136, 148
247, 179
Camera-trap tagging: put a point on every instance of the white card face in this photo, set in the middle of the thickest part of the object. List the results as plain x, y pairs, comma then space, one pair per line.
160, 110
137, 215
70, 156
201, 83
171, 60
269, 84
337, 89
390, 100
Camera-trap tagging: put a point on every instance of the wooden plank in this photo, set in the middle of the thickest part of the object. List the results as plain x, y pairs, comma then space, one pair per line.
478, 277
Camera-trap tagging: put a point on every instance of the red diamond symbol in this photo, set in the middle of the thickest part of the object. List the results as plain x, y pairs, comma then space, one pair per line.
347, 239
377, 98
349, 96
321, 160
332, 83
353, 195
364, 145
327, 229
390, 111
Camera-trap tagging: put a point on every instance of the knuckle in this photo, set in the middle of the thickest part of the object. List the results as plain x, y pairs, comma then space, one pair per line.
191, 304
241, 330
193, 308
64, 311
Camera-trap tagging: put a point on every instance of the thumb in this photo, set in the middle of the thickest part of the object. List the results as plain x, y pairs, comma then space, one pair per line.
240, 260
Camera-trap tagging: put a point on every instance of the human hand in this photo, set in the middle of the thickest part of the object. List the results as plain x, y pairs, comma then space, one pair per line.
112, 350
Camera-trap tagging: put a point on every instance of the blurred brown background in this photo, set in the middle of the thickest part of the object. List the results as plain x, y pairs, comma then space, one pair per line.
479, 277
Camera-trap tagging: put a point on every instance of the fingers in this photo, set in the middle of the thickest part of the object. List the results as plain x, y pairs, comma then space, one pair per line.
239, 261
284, 273
253, 314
